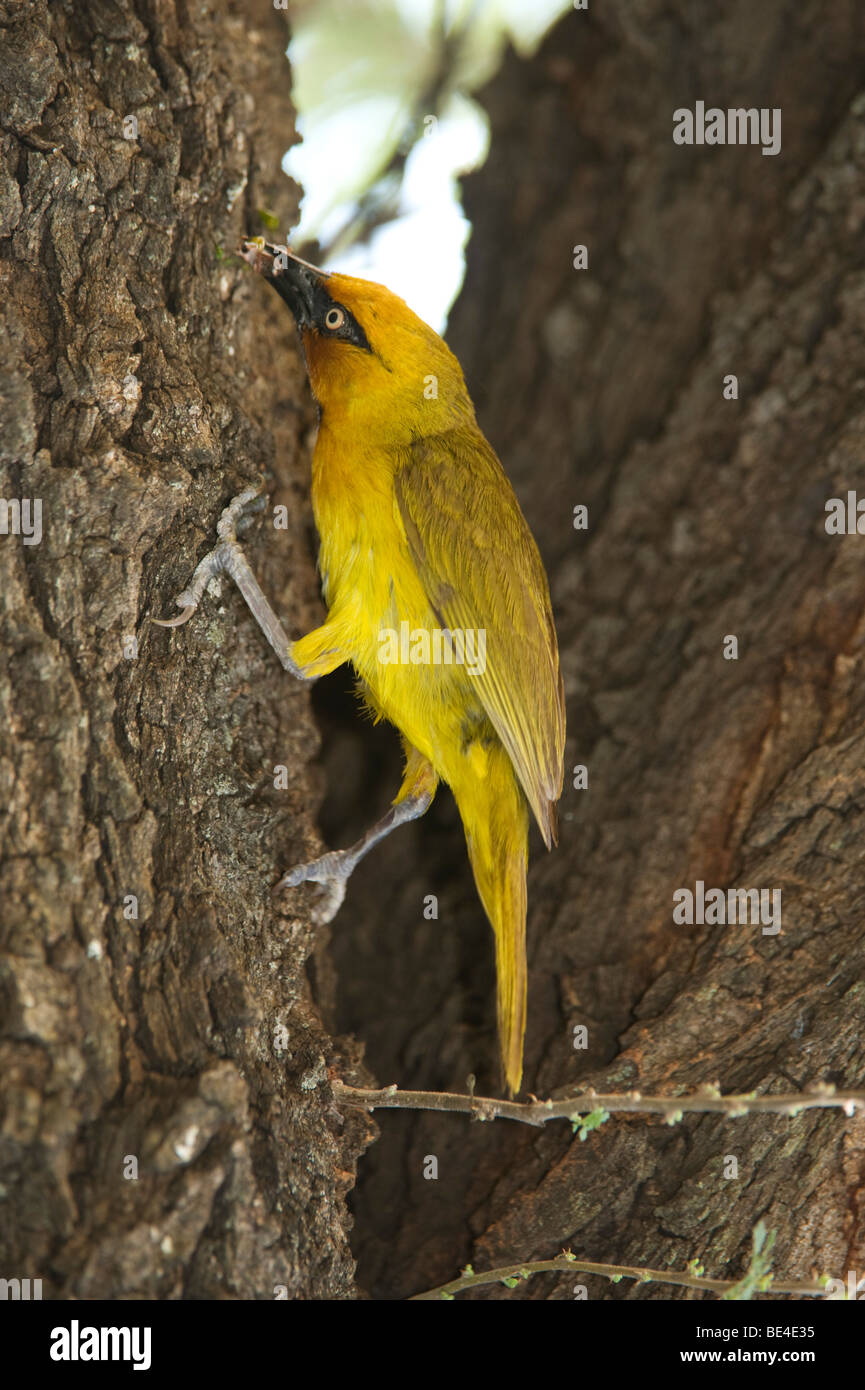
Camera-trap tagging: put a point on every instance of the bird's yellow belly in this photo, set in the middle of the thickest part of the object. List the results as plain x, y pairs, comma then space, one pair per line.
412, 674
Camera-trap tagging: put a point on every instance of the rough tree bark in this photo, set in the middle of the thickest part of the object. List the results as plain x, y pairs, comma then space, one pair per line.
707, 517
144, 382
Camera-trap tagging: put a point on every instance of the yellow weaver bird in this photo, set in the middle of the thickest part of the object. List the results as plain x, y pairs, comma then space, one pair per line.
421, 533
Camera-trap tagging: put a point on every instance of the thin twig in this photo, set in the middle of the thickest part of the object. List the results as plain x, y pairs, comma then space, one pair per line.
706, 1100
570, 1264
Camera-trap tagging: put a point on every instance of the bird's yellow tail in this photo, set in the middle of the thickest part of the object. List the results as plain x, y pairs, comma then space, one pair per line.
495, 818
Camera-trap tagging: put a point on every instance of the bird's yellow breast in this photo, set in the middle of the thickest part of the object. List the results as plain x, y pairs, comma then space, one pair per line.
378, 604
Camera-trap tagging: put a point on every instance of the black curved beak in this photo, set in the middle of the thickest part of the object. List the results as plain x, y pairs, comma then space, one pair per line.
296, 281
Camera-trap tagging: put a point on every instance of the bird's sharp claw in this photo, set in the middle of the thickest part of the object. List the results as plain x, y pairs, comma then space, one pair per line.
182, 617
331, 890
291, 879
331, 869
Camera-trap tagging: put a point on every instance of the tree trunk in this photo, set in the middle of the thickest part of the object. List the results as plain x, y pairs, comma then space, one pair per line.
605, 387
168, 1128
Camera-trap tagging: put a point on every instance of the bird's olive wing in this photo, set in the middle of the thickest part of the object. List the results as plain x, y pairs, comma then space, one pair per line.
480, 567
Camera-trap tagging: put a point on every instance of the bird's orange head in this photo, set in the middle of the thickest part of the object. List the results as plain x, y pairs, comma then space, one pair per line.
373, 364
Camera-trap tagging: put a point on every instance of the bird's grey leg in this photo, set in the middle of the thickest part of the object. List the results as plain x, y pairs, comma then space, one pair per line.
228, 558
333, 870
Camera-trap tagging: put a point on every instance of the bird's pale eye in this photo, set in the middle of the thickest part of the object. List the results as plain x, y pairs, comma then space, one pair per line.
334, 319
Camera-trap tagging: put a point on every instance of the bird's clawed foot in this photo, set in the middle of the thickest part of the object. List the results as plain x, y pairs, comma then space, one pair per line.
221, 559
228, 558
332, 871
335, 867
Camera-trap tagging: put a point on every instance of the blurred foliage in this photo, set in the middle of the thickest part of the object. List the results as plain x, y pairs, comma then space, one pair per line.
372, 78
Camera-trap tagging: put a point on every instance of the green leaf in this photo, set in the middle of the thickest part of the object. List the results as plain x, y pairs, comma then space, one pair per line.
584, 1124
758, 1276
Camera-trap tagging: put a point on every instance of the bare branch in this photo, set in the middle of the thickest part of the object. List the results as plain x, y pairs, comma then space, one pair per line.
568, 1263
707, 1100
